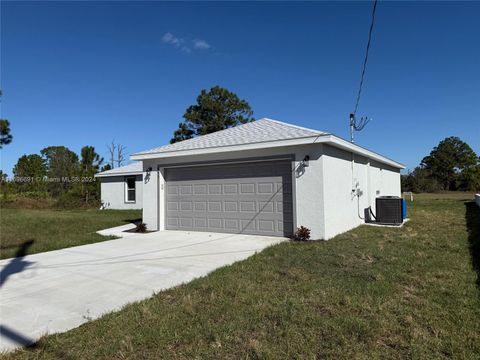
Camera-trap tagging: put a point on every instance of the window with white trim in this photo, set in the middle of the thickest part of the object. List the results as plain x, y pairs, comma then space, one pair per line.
130, 189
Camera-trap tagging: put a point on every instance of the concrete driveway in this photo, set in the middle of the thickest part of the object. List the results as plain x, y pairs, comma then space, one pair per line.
59, 290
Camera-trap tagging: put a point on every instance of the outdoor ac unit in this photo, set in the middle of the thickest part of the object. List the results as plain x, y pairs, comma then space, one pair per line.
389, 210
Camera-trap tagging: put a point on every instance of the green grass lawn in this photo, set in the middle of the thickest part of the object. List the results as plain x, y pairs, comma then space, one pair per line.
371, 293
47, 229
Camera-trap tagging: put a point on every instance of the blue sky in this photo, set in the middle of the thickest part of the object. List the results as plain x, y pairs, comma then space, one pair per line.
84, 73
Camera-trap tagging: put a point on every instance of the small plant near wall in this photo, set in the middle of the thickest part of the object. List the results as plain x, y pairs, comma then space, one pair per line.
302, 234
141, 228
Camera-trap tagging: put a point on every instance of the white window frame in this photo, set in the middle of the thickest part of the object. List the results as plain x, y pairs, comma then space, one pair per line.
127, 189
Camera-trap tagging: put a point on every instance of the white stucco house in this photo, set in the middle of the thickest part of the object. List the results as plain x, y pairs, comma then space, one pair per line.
121, 188
265, 177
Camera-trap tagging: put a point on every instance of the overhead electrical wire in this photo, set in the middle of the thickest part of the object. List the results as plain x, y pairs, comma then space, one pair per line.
372, 24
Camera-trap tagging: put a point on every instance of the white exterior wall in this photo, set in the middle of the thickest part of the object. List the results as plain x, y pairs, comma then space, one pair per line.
344, 172
150, 196
307, 186
323, 199
113, 193
385, 181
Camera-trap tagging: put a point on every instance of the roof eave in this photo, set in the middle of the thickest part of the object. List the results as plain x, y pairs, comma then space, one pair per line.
321, 138
99, 175
346, 145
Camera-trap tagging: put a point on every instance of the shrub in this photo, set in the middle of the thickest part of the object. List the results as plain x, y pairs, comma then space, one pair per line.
32, 195
302, 233
141, 228
27, 203
73, 200
69, 200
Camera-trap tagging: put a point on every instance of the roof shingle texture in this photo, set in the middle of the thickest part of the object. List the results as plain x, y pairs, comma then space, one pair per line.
262, 130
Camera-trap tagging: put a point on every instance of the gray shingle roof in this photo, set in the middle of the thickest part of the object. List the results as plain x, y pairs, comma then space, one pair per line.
262, 130
133, 168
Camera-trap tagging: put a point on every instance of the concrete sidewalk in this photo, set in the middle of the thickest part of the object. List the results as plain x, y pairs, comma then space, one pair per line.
119, 231
59, 290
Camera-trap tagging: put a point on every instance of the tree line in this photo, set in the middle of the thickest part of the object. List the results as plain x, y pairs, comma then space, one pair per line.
58, 172
451, 165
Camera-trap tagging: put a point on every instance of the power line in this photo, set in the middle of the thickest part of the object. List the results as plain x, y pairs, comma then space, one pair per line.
366, 56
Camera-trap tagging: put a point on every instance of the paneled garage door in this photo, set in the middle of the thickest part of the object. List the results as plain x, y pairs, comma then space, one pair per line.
246, 198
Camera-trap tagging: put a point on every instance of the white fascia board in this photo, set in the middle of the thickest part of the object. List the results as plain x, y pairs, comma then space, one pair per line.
344, 144
222, 149
119, 174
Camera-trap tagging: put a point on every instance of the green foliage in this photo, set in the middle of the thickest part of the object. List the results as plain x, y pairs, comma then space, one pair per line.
216, 109
6, 186
469, 179
5, 132
33, 195
62, 165
74, 199
60, 174
30, 171
184, 132
420, 180
89, 166
452, 165
90, 160
5, 135
448, 159
106, 167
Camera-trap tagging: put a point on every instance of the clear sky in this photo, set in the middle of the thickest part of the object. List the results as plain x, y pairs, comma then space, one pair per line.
84, 73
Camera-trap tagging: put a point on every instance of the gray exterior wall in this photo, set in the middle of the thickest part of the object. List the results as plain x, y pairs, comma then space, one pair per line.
113, 192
